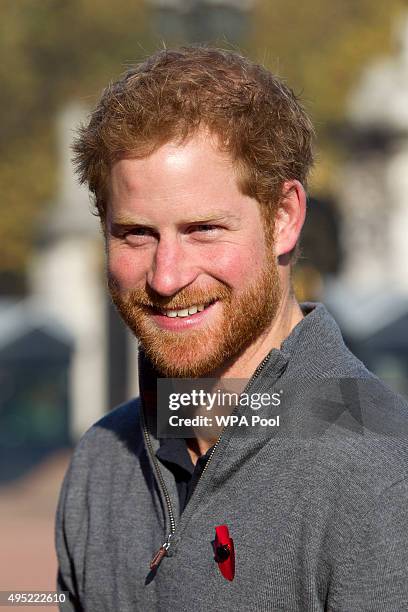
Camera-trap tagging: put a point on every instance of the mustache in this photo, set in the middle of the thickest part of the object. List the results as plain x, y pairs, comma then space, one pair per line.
148, 298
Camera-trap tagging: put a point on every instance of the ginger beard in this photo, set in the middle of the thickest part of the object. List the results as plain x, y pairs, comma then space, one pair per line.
199, 352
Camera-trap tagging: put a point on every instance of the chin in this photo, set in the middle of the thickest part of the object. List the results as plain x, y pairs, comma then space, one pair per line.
186, 367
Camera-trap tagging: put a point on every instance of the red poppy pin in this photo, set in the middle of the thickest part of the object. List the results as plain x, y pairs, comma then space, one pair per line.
224, 553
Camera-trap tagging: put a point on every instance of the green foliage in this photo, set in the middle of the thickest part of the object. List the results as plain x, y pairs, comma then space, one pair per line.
52, 51
321, 49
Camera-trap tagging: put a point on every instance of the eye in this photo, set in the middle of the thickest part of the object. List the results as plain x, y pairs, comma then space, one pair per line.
138, 231
204, 228
205, 232
138, 236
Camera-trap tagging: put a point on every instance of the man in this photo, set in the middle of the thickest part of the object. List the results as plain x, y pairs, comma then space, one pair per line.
198, 159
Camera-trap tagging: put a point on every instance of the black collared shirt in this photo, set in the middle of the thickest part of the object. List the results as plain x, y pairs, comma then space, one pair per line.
174, 455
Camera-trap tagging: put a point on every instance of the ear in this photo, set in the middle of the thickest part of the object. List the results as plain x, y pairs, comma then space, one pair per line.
290, 217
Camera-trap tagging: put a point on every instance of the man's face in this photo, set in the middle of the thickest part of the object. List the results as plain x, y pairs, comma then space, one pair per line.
189, 266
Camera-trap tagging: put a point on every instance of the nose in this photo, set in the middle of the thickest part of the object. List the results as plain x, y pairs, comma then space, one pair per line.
171, 269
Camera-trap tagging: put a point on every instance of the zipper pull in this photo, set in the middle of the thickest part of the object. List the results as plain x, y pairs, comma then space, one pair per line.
162, 552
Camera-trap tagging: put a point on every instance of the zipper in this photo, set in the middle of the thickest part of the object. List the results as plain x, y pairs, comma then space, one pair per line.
251, 380
163, 550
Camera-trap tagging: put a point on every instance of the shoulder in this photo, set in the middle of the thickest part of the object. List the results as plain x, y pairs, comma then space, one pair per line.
363, 441
119, 428
112, 444
353, 424
122, 423
104, 461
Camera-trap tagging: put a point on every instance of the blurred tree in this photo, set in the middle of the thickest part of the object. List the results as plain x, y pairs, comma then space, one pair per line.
52, 51
321, 49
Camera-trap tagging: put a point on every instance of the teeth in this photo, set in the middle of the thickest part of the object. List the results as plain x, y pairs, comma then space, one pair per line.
184, 312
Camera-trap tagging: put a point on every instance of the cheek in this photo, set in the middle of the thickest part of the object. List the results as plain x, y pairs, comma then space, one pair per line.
236, 264
127, 270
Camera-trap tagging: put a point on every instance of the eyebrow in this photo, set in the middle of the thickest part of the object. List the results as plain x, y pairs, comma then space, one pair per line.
126, 221
222, 216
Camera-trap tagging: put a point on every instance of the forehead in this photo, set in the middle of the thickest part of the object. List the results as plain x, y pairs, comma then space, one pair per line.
195, 174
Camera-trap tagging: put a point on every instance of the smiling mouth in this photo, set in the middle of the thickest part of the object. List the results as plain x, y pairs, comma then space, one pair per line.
183, 312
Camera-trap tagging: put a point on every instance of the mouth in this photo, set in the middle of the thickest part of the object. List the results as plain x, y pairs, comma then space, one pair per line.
188, 311
185, 312
183, 318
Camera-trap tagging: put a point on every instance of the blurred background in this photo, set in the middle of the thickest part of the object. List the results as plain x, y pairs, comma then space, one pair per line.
65, 357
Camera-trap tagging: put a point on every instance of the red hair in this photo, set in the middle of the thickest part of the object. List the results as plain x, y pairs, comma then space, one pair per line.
257, 119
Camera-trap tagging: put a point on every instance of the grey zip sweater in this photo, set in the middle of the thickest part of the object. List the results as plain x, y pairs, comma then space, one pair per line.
317, 509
